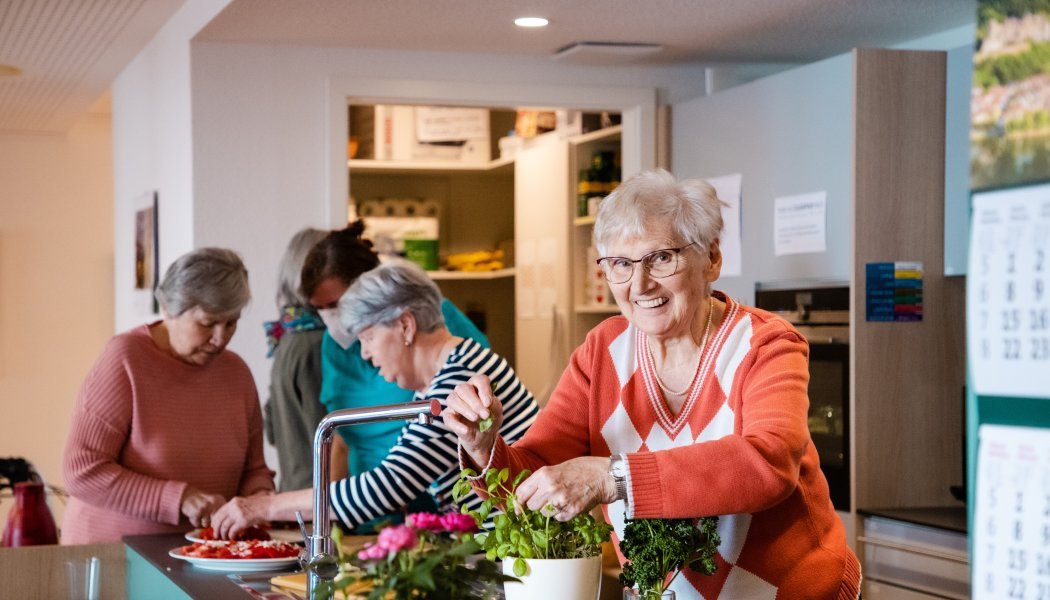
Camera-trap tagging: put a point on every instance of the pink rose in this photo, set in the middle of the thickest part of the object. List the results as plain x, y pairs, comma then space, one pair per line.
426, 521
397, 538
458, 522
372, 552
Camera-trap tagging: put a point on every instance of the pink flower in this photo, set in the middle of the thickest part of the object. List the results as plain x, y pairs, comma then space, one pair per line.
426, 521
372, 552
458, 522
397, 538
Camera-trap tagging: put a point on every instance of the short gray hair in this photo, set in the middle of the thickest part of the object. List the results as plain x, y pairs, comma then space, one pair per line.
290, 269
382, 295
212, 278
692, 206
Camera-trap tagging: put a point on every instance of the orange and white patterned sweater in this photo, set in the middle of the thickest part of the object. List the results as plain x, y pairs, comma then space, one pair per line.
739, 448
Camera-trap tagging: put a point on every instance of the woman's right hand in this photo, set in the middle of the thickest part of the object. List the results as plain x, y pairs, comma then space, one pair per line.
198, 506
469, 408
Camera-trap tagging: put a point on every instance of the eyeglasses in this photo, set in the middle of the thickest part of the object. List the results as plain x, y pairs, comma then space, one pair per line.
659, 264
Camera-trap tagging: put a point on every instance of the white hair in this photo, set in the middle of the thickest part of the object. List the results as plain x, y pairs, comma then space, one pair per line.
290, 269
691, 206
212, 278
382, 295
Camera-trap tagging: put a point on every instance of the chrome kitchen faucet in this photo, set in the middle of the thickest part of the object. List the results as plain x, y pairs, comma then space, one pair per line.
319, 544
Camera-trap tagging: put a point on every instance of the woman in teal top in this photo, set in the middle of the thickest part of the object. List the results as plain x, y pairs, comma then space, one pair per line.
347, 380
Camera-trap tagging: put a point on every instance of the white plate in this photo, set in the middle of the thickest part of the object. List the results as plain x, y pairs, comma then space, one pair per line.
292, 536
238, 565
195, 536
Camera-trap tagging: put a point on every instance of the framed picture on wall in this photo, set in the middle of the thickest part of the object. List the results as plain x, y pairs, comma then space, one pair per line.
146, 251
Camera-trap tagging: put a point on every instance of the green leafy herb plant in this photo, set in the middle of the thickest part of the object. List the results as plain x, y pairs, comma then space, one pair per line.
656, 548
521, 533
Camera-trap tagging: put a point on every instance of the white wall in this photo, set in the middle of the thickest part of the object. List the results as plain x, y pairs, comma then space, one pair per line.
152, 150
790, 133
56, 284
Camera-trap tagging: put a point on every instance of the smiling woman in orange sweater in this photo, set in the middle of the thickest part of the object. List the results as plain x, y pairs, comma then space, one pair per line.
690, 404
167, 424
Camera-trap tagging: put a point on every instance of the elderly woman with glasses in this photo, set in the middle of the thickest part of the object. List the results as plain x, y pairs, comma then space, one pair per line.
689, 404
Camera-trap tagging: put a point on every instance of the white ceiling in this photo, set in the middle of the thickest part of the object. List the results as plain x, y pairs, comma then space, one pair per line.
761, 31
71, 50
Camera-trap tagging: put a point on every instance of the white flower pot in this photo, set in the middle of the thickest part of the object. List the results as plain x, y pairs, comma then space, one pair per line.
561, 578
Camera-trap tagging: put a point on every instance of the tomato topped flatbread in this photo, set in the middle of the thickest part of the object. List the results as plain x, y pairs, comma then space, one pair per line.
241, 549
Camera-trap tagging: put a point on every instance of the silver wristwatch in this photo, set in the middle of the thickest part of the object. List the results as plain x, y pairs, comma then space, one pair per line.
618, 469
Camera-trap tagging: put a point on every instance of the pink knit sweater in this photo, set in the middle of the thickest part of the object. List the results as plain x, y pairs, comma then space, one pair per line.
739, 448
145, 426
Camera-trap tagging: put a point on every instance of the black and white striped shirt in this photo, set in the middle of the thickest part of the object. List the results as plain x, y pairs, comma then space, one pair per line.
425, 456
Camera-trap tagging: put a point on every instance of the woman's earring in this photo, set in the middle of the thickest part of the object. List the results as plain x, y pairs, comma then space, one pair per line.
408, 341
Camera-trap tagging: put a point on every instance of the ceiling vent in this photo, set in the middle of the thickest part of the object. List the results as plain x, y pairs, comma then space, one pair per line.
605, 53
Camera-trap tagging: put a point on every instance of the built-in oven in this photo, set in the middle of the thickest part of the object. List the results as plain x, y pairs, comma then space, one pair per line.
820, 312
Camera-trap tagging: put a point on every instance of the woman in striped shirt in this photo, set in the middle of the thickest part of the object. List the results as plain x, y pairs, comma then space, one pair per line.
395, 312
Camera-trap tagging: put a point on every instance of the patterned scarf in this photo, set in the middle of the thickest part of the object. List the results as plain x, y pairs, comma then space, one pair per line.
293, 320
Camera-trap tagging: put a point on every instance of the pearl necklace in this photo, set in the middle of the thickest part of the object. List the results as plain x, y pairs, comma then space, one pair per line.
699, 355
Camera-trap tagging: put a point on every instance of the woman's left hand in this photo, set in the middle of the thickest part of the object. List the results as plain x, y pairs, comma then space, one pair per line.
198, 505
241, 513
573, 487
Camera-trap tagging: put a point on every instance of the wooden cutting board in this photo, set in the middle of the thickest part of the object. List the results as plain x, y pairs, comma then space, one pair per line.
296, 582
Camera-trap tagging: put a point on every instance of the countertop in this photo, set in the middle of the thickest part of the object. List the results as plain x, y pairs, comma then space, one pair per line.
197, 583
200, 584
950, 518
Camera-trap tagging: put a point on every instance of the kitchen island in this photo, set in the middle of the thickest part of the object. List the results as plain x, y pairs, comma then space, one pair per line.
152, 573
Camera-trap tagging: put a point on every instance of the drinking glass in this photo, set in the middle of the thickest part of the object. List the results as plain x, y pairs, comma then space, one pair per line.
82, 578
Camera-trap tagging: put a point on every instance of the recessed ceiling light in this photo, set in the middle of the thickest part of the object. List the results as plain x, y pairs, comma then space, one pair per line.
9, 71
531, 22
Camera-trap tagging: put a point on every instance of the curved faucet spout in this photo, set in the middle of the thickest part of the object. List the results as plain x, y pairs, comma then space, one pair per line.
319, 544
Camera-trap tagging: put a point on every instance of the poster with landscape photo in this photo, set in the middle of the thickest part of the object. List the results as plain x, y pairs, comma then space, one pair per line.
1010, 98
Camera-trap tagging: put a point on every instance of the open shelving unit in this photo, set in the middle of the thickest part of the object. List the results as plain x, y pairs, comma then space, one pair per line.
586, 313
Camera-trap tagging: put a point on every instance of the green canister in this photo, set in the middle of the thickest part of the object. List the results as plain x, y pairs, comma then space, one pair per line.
422, 252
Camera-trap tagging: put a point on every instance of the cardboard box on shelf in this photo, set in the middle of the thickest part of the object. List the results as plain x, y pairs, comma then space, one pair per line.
431, 133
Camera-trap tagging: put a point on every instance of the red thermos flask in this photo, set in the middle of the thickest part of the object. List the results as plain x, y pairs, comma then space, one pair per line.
29, 522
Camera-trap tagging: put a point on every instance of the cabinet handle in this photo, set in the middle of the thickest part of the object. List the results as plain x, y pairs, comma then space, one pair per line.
914, 549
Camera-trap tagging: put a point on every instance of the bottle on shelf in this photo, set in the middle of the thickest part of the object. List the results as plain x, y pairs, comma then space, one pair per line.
583, 192
509, 145
603, 178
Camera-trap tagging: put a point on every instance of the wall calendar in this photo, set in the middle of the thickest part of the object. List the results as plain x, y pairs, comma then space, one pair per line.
1008, 292
1011, 523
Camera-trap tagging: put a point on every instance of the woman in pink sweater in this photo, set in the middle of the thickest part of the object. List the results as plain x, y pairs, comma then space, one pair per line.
167, 424
688, 405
